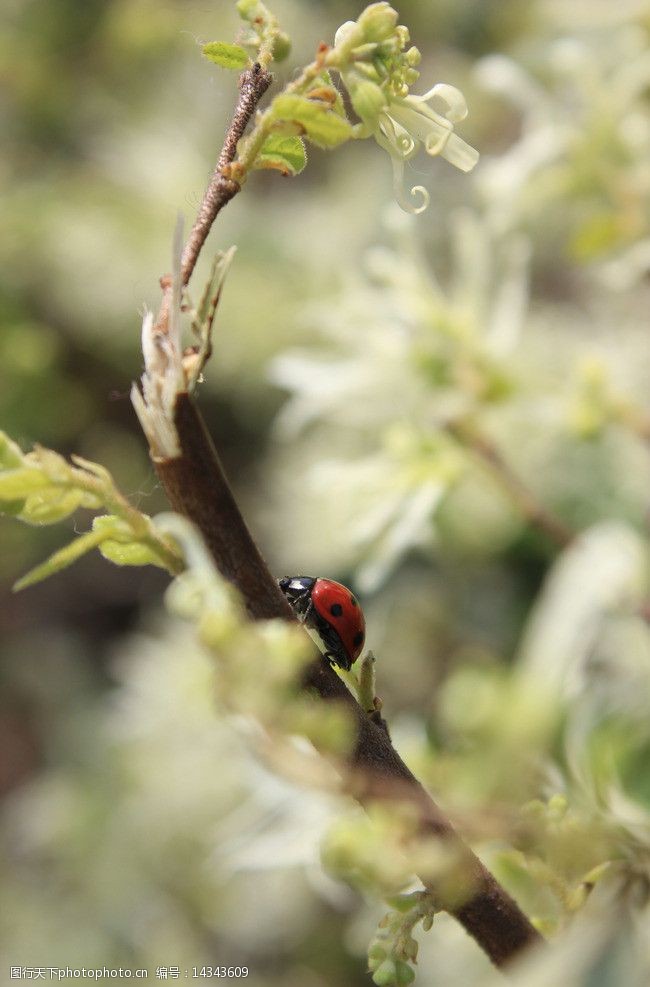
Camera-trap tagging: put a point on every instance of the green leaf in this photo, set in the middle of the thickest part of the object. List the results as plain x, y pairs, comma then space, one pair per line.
386, 974
404, 973
135, 553
402, 902
227, 56
325, 79
121, 546
51, 505
316, 119
11, 455
20, 482
285, 154
61, 559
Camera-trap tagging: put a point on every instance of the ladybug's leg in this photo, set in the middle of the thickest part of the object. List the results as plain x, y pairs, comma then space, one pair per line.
309, 610
336, 661
302, 606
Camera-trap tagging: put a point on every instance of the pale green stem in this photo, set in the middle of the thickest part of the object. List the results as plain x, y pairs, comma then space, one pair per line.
115, 503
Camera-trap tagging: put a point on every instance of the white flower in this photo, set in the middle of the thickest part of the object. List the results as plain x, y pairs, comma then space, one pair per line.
378, 70
409, 122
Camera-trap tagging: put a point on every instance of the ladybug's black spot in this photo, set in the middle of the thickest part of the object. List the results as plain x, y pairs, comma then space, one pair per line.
336, 610
353, 601
358, 639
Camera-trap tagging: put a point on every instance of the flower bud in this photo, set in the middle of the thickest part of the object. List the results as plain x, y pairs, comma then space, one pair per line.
348, 34
404, 974
247, 9
403, 35
413, 57
376, 956
368, 100
384, 975
369, 71
378, 21
281, 46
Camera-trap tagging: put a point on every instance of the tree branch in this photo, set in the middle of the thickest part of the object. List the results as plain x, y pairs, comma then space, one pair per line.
532, 509
253, 83
197, 488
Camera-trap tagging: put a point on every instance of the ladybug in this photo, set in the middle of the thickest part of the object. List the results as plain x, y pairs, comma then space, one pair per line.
331, 613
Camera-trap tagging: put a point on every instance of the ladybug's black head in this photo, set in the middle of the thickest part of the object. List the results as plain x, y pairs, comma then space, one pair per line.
297, 590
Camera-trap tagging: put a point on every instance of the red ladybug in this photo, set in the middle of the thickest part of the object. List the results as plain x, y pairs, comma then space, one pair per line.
331, 612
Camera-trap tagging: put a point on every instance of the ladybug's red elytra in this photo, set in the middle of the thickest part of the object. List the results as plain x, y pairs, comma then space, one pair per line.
331, 612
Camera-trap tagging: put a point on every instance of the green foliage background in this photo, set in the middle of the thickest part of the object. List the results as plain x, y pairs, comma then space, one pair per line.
137, 826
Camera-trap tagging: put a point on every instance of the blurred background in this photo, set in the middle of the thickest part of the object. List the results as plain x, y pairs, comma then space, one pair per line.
137, 828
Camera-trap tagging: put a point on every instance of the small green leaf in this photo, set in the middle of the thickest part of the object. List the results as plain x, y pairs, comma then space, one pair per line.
385, 975
325, 80
227, 56
95, 468
61, 559
319, 123
21, 482
135, 553
285, 154
377, 953
121, 546
401, 902
10, 454
112, 527
404, 973
51, 505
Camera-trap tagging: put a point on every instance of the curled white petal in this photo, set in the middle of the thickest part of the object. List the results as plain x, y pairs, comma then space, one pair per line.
436, 142
457, 152
452, 97
399, 191
421, 121
398, 137
398, 179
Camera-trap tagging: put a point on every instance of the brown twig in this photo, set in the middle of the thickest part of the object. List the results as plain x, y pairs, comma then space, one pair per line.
534, 512
253, 83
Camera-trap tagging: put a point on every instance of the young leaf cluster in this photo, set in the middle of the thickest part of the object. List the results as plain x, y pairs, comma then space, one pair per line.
262, 36
393, 950
41, 487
